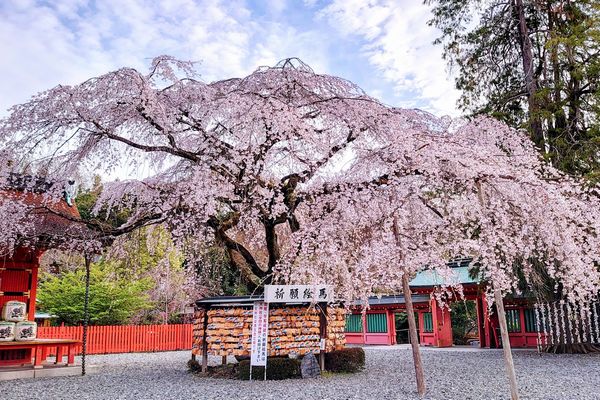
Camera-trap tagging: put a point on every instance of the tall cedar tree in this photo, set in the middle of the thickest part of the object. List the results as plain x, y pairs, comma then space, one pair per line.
533, 64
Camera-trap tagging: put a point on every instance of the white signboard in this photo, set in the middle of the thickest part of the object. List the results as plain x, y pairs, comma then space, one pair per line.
298, 293
260, 333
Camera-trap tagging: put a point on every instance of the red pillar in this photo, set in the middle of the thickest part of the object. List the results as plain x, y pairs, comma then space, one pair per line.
481, 321
442, 325
486, 322
391, 326
421, 326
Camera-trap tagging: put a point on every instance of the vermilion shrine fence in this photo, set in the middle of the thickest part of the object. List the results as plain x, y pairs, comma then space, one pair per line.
126, 338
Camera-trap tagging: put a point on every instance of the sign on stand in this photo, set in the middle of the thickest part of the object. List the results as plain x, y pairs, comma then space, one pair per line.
298, 293
282, 294
260, 333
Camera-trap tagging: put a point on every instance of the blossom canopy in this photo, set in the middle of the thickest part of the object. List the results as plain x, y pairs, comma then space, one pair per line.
304, 177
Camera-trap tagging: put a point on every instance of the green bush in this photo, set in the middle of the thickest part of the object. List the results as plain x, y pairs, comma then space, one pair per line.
278, 368
346, 360
194, 366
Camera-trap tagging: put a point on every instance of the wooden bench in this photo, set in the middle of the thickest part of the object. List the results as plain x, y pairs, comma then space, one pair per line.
38, 346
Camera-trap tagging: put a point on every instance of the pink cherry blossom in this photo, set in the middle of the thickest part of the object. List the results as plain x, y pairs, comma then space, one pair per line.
305, 178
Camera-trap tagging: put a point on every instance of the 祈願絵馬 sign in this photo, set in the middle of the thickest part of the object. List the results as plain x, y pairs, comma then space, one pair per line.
298, 293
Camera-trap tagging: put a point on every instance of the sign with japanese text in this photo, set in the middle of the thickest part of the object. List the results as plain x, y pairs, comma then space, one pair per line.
260, 333
298, 293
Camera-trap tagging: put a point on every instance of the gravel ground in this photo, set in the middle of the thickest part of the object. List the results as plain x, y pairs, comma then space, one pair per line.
450, 374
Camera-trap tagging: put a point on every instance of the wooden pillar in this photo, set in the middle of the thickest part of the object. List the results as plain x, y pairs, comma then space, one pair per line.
323, 333
481, 313
414, 341
33, 289
392, 326
204, 343
502, 320
442, 325
508, 360
71, 355
421, 325
363, 321
37, 350
487, 328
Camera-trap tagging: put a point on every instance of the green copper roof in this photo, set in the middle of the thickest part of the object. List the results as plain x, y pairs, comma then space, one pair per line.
432, 278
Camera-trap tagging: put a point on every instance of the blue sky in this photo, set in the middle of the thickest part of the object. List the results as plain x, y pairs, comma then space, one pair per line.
383, 45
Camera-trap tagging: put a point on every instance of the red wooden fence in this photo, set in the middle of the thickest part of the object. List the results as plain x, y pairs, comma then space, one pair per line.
126, 338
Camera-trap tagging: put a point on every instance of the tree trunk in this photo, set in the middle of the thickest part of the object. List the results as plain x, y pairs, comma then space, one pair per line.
240, 257
528, 71
272, 244
559, 124
510, 367
508, 360
414, 340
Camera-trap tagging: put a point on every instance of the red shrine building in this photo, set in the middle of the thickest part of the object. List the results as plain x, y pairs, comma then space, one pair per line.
385, 321
19, 268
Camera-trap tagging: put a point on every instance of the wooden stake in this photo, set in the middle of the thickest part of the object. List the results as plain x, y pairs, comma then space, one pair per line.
508, 360
204, 343
414, 340
412, 324
323, 332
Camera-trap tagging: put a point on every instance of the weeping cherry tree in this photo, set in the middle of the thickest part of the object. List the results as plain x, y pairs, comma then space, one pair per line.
304, 178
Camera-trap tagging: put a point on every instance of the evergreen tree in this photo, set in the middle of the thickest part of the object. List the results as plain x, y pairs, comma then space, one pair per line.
533, 63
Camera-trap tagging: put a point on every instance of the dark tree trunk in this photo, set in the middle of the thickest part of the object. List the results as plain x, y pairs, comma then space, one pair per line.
531, 87
559, 117
272, 245
240, 257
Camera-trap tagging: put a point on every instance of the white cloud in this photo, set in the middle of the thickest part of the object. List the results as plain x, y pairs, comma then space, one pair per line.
74, 40
399, 44
68, 41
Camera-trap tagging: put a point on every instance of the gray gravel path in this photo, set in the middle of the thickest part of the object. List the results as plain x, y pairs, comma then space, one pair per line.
451, 374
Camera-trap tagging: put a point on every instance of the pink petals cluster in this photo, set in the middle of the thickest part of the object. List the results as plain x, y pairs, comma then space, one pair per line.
358, 193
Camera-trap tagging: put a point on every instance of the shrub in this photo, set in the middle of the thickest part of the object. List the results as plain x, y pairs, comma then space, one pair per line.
278, 368
346, 360
193, 366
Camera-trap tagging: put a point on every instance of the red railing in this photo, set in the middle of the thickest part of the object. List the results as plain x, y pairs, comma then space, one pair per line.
126, 338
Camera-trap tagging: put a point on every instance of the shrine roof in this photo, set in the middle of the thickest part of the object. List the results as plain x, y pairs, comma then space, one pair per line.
52, 217
461, 274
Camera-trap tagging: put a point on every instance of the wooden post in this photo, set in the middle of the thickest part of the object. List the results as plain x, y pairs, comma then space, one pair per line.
204, 343
414, 340
412, 324
323, 333
508, 360
224, 360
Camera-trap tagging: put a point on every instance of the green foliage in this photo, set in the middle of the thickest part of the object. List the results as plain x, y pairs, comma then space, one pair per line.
278, 368
557, 94
351, 359
113, 301
194, 366
86, 200
464, 321
215, 272
214, 269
